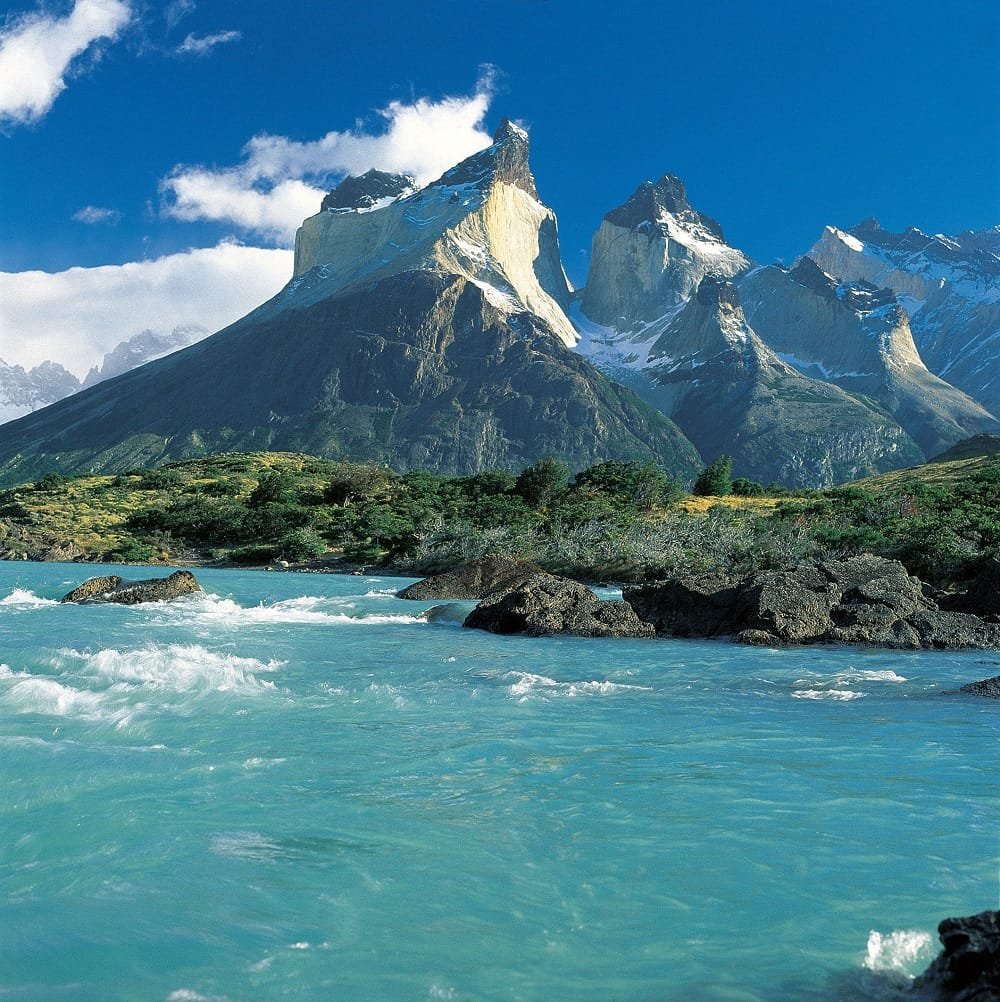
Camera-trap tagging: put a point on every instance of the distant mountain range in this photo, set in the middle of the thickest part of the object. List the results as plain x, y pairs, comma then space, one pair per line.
435, 328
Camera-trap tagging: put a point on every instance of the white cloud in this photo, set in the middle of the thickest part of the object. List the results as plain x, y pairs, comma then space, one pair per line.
92, 214
281, 181
200, 45
176, 11
36, 52
75, 316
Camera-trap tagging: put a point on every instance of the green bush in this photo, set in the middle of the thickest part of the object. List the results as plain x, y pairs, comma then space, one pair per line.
714, 481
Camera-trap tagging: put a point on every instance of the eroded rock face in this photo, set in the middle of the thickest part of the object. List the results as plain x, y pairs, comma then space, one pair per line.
473, 580
113, 589
968, 968
861, 600
546, 605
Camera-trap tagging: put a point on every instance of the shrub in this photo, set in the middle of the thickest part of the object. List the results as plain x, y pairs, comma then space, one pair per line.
540, 483
713, 481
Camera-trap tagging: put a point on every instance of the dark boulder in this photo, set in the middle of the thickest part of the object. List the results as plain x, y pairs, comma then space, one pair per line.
473, 580
987, 687
860, 600
982, 593
113, 589
968, 968
546, 605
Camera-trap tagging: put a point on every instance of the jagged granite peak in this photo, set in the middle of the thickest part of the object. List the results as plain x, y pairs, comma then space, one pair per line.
506, 159
367, 190
481, 220
858, 336
650, 254
421, 370
23, 391
143, 347
653, 202
949, 286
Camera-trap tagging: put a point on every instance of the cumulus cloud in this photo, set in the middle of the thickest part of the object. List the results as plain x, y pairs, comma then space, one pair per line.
201, 45
93, 214
37, 50
281, 181
74, 317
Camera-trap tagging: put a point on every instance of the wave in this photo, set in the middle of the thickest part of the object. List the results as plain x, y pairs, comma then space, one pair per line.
25, 599
306, 609
527, 684
175, 667
22, 692
903, 951
843, 686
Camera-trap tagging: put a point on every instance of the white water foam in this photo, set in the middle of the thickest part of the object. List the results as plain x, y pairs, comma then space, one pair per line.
306, 609
903, 951
527, 685
22, 692
842, 695
23, 598
177, 668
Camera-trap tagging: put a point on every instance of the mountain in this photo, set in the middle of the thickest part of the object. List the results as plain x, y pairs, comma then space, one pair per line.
650, 254
141, 348
949, 286
661, 313
421, 330
23, 391
858, 336
731, 394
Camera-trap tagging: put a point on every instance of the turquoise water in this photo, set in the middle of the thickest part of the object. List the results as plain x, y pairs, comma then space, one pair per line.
296, 787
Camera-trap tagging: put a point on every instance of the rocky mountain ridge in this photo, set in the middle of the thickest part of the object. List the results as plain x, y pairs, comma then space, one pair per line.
436, 327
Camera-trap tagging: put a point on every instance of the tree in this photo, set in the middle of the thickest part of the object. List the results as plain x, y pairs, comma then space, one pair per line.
714, 480
642, 484
539, 483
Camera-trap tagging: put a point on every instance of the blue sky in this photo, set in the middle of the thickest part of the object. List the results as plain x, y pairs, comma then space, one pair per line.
125, 124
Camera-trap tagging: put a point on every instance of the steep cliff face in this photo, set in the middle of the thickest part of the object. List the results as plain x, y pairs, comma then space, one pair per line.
949, 286
711, 373
858, 336
481, 220
650, 254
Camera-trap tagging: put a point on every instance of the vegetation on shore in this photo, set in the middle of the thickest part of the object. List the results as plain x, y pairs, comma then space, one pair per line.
614, 521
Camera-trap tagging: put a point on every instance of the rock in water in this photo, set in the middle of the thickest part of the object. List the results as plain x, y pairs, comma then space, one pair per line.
547, 605
475, 579
113, 589
968, 968
987, 687
861, 600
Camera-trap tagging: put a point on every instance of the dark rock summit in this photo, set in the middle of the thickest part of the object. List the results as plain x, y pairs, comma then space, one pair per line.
651, 201
364, 191
861, 600
112, 588
472, 580
547, 605
506, 159
968, 968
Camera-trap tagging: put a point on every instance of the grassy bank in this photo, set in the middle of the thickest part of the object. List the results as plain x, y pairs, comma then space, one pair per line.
615, 521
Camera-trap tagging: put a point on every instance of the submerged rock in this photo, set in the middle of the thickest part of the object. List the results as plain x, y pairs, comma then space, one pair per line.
473, 580
968, 968
113, 589
545, 605
860, 600
987, 687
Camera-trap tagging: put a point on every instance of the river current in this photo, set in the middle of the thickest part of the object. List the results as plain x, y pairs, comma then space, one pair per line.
296, 786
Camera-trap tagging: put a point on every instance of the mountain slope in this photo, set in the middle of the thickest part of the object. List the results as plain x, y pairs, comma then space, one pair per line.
435, 358
858, 336
731, 394
950, 287
661, 314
